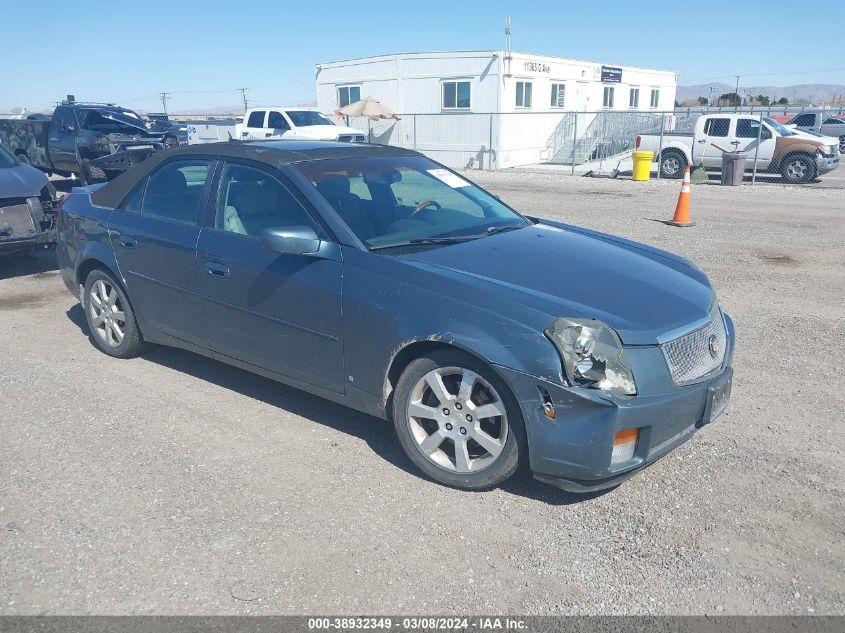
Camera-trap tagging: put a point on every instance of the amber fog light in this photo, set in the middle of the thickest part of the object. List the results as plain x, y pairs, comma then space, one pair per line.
624, 443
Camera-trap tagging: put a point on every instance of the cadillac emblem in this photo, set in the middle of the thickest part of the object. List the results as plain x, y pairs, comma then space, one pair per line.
713, 345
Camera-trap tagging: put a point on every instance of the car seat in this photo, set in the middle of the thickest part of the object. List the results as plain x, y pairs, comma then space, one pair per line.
337, 191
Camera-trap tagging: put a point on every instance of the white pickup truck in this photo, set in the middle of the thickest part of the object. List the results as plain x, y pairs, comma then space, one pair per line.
797, 156
277, 123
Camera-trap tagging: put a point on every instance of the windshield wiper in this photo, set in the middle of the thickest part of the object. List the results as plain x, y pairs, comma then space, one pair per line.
453, 239
492, 230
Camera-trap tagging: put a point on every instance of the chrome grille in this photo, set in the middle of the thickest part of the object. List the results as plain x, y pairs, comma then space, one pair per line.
691, 358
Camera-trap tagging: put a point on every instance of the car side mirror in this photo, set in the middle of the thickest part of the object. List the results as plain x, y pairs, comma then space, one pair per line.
292, 240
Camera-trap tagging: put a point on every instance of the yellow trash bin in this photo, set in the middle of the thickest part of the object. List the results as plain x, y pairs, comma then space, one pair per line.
642, 165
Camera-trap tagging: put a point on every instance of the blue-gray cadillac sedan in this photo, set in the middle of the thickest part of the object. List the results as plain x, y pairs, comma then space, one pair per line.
374, 277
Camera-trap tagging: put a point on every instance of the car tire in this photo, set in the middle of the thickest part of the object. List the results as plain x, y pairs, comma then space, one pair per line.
455, 447
90, 173
111, 320
797, 169
672, 163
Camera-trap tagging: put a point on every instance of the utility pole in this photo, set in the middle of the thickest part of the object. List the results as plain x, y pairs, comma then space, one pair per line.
736, 90
164, 97
243, 94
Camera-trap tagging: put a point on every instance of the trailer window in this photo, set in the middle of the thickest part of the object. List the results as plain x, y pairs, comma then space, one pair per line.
523, 94
558, 95
456, 95
607, 99
348, 94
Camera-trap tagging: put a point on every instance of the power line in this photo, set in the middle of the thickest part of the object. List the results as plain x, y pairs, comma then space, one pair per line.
792, 72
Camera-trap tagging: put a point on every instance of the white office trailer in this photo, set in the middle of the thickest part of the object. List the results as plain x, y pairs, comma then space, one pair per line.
486, 109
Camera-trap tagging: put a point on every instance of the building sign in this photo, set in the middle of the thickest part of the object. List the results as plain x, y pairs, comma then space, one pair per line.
609, 74
538, 67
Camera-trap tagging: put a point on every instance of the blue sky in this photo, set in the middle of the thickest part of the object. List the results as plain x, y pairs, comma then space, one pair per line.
129, 52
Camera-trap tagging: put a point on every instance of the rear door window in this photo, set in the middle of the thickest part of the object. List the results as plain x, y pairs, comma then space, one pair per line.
256, 119
805, 120
133, 203
276, 120
175, 189
717, 127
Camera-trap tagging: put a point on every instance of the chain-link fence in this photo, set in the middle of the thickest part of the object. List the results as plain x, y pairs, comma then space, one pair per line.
805, 148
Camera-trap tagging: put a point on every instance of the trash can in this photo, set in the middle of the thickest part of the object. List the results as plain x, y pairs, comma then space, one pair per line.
733, 168
642, 165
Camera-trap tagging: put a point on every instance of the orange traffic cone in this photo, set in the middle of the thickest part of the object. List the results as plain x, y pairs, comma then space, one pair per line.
682, 209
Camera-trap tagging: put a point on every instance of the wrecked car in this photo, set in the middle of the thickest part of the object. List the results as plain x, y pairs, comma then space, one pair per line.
90, 141
26, 207
377, 278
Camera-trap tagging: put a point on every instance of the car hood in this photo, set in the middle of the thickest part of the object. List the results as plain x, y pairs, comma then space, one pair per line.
812, 136
21, 181
564, 271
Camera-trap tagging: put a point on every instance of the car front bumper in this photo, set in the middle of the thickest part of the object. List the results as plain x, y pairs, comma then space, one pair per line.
825, 164
573, 449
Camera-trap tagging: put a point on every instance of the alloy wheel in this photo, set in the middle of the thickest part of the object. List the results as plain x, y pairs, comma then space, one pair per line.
797, 169
671, 165
458, 420
106, 312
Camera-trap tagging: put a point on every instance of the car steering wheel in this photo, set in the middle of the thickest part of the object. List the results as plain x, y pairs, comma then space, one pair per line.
425, 204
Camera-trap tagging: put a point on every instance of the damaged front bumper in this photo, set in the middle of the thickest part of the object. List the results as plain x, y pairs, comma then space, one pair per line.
25, 226
571, 431
123, 159
826, 164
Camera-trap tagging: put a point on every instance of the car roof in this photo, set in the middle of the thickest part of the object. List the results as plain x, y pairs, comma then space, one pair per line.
272, 153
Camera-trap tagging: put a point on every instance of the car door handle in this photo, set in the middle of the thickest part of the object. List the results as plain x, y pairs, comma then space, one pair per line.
704, 140
217, 270
128, 242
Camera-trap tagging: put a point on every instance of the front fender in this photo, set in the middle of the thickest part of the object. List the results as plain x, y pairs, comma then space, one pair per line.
388, 307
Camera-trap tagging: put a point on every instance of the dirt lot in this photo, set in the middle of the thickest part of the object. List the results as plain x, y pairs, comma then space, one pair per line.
173, 484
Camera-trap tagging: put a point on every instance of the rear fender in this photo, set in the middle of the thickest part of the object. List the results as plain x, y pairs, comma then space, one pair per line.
96, 255
683, 148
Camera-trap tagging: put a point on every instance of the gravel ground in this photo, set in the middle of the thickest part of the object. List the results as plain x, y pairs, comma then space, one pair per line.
171, 484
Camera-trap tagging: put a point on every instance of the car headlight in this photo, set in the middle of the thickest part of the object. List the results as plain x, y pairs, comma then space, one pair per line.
592, 355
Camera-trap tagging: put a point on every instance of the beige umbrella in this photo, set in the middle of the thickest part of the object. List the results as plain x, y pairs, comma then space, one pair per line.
368, 107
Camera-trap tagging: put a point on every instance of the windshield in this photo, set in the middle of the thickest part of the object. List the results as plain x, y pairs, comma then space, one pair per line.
778, 127
6, 158
401, 200
124, 121
304, 118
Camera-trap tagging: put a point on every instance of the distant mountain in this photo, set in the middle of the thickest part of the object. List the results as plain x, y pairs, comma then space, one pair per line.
815, 93
237, 109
